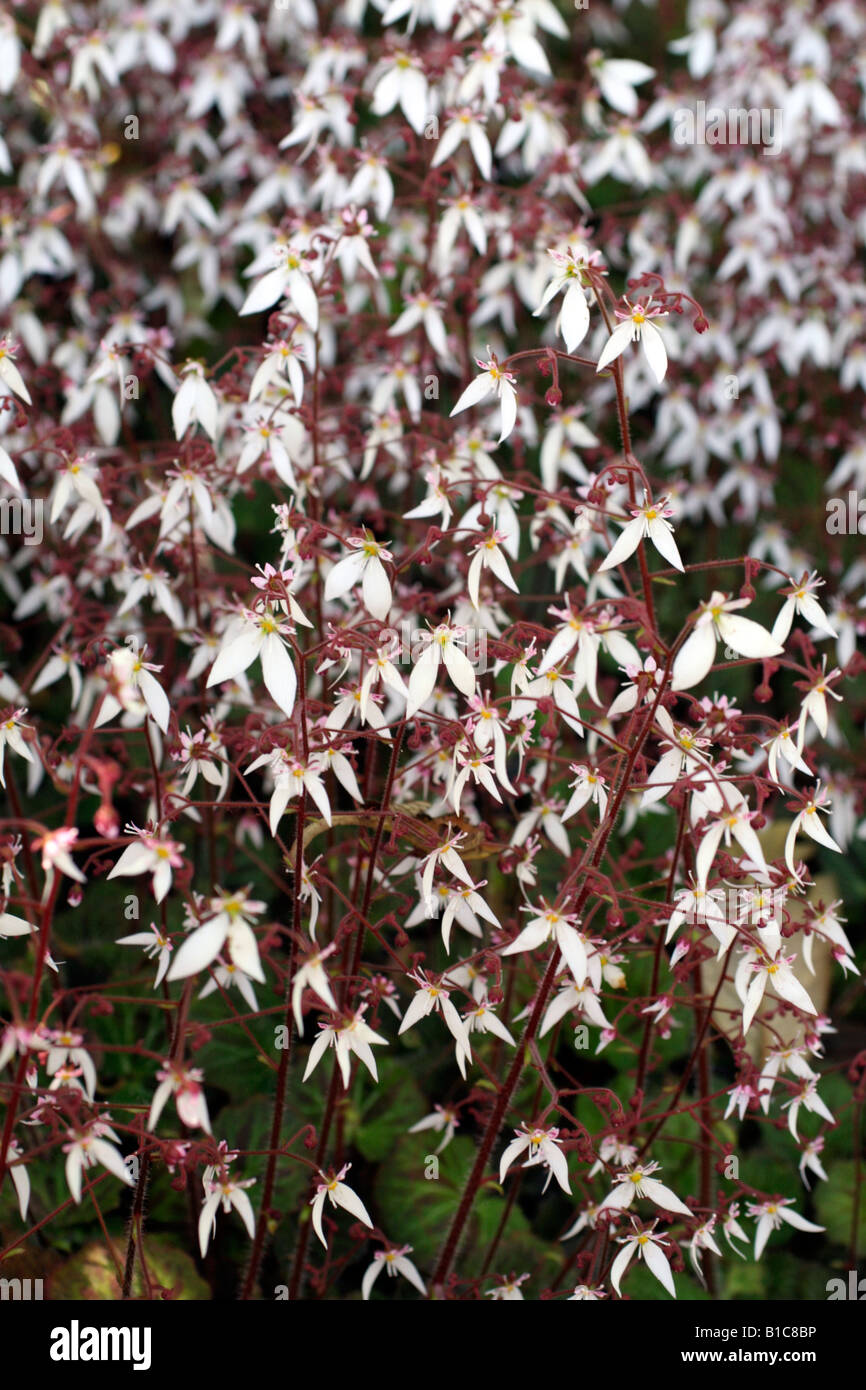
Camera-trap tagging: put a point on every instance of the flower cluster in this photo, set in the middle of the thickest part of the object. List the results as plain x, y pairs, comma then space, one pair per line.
429, 432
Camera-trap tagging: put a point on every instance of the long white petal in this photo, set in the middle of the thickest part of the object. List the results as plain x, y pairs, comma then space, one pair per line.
663, 1197
621, 1263
245, 951
625, 544
236, 656
747, 637
694, 658
278, 672
376, 589
244, 1208
352, 1203
615, 345
663, 539
459, 668
475, 392
656, 355
422, 679
344, 575
197, 952
371, 1274
514, 1149
658, 1265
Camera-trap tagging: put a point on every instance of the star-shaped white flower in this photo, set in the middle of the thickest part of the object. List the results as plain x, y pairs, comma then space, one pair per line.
718, 621
339, 1194
650, 522
543, 1148
500, 383
637, 327
639, 1182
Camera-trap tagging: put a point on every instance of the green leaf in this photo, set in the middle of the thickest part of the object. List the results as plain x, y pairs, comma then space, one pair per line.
835, 1202
91, 1274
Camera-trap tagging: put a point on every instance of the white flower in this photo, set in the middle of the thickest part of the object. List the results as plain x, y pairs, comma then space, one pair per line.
284, 357
402, 83
702, 1240
422, 311
312, 975
11, 737
290, 276
380, 668
226, 974
769, 967
228, 926
20, 1177
732, 818
649, 1248
133, 688
617, 79
637, 327
441, 647
639, 1182
9, 373
501, 383
395, 1262
719, 622
184, 1083
567, 1000
474, 765
814, 706
789, 748
195, 403
443, 1120
732, 1230
482, 1019
446, 857
801, 602
155, 944
364, 564
197, 753
553, 685
827, 924
573, 321
808, 1097
574, 631
467, 125
701, 905
352, 1036
230, 1193
811, 1160
487, 554
699, 46
809, 820
66, 1049
556, 926
339, 1195
55, 847
258, 634
90, 1146
149, 854
433, 998
292, 777
151, 584
10, 925
650, 523
459, 212
770, 1215
543, 1148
